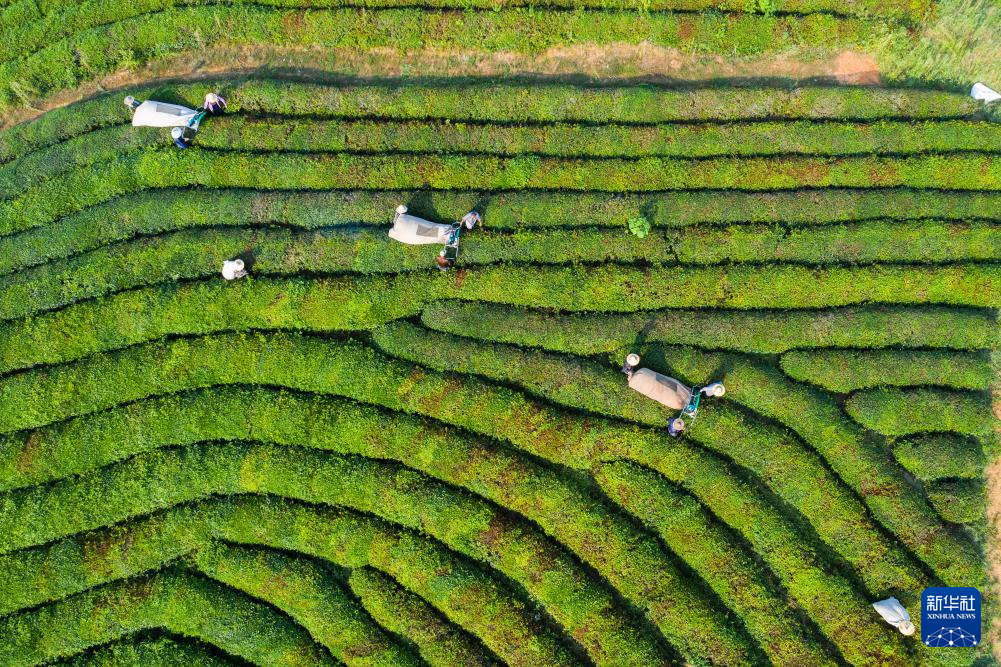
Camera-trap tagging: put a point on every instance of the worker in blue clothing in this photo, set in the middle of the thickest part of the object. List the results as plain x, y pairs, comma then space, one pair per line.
182, 137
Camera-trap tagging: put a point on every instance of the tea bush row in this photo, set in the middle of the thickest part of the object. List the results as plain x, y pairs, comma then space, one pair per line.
199, 253
817, 419
612, 288
39, 23
231, 133
758, 331
890, 9
630, 561
940, 455
153, 212
492, 411
178, 602
461, 591
78, 189
896, 412
510, 102
845, 371
440, 643
960, 500
152, 651
471, 526
205, 307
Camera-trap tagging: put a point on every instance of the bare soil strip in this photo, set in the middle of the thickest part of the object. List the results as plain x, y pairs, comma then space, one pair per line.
993, 547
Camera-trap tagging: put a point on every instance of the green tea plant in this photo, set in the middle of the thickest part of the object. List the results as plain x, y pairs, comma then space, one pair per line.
350, 457
639, 227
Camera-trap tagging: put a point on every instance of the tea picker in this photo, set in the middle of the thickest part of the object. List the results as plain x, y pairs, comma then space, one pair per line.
214, 103
182, 137
184, 122
668, 391
233, 269
450, 253
411, 230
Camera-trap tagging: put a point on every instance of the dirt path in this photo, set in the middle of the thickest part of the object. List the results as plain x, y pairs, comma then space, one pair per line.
643, 62
993, 551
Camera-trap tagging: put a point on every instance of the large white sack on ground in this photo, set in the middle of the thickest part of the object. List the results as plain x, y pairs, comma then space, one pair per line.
984, 94
161, 114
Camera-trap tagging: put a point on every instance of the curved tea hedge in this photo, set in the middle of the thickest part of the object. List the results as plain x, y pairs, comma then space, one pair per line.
175, 601
760, 331
154, 651
403, 613
857, 463
847, 370
940, 455
896, 412
351, 458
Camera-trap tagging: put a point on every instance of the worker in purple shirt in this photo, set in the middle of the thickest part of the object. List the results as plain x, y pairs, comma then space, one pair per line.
214, 103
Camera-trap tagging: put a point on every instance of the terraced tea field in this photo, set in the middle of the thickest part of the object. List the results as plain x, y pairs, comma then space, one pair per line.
351, 458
